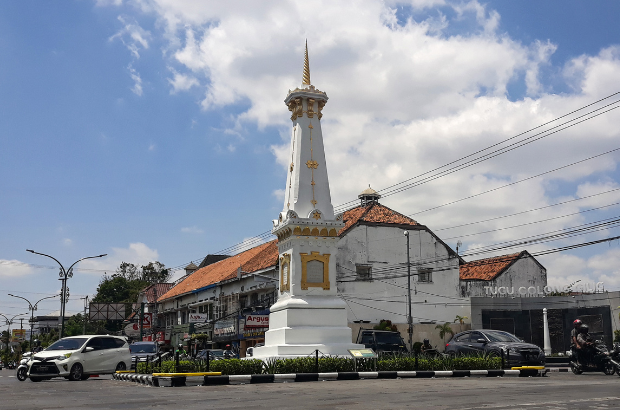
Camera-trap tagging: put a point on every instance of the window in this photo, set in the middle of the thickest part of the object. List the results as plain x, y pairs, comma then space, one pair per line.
425, 275
462, 338
475, 336
364, 272
95, 343
108, 343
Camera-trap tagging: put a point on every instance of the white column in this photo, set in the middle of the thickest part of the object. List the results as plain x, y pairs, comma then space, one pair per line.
547, 338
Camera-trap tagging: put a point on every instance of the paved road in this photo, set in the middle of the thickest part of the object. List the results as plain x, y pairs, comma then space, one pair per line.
557, 391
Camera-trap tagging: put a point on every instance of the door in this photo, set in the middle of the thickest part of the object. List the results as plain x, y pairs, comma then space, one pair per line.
460, 343
109, 354
93, 360
475, 346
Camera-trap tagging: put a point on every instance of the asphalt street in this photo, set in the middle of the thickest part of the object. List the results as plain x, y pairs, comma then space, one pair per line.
557, 391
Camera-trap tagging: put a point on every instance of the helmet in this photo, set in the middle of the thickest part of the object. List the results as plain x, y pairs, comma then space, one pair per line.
426, 341
583, 329
180, 345
577, 323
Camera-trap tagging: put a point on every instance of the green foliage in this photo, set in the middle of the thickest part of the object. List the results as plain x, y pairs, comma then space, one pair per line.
616, 336
444, 330
386, 325
74, 326
417, 347
326, 364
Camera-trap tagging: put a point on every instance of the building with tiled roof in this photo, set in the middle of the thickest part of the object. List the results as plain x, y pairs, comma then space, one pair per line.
483, 277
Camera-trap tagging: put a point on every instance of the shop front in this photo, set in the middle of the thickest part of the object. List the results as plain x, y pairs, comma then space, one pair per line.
252, 330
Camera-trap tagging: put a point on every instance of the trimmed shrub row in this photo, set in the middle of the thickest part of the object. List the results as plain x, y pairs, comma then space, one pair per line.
326, 364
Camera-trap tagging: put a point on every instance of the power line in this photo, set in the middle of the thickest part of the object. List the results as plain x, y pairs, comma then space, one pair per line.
516, 182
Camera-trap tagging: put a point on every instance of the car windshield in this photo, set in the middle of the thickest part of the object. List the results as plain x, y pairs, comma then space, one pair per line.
142, 348
501, 337
388, 338
68, 344
217, 353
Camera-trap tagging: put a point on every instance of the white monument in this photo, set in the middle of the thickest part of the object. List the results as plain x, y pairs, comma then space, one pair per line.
308, 315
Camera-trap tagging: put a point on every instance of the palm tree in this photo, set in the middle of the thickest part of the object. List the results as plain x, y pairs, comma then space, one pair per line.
461, 320
444, 330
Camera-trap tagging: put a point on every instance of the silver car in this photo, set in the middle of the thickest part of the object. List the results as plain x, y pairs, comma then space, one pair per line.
78, 357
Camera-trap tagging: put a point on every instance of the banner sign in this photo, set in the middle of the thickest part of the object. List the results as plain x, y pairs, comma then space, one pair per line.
198, 318
256, 321
19, 335
106, 311
224, 327
147, 320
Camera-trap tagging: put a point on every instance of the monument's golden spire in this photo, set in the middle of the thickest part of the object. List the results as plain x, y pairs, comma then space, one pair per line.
306, 77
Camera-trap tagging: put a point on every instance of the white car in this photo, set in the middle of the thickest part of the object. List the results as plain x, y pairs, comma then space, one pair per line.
77, 357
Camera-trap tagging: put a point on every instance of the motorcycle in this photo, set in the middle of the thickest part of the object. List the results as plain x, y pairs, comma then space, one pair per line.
22, 369
595, 358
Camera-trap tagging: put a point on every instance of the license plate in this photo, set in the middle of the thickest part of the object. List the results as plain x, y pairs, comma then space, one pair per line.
43, 369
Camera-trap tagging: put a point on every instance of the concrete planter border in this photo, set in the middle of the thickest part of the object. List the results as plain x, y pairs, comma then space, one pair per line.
179, 381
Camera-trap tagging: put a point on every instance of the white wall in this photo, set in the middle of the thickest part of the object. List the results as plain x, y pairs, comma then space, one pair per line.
385, 247
524, 272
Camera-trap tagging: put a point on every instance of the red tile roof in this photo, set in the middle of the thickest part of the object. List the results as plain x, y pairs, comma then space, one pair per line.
374, 212
489, 268
252, 260
160, 289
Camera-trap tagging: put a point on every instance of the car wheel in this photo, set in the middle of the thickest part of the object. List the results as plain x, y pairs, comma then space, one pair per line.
36, 379
22, 374
452, 355
76, 373
121, 367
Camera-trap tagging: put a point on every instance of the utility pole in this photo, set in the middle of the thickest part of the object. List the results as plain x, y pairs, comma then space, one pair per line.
141, 320
409, 318
85, 306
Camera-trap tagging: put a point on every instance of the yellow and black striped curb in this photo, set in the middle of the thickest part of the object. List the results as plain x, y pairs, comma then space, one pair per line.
195, 379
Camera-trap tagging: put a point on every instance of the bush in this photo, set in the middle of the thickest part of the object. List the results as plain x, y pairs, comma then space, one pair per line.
326, 364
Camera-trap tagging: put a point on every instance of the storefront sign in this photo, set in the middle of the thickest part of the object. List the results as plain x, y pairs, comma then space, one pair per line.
132, 330
19, 335
256, 321
198, 318
224, 328
542, 291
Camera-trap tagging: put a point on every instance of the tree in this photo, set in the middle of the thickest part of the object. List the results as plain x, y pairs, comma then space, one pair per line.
444, 330
386, 325
155, 272
461, 320
128, 271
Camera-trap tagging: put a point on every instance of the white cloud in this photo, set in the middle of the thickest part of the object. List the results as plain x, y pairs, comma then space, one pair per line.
132, 36
182, 82
405, 99
137, 253
14, 268
192, 229
137, 81
603, 267
67, 242
152, 147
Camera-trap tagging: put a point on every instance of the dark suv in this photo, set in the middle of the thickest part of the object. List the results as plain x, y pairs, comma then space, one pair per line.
494, 342
382, 341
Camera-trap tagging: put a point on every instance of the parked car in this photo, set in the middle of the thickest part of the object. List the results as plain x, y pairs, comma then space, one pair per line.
142, 350
78, 357
382, 341
494, 342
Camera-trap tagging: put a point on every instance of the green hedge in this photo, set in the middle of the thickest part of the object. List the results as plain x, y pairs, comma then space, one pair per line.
326, 364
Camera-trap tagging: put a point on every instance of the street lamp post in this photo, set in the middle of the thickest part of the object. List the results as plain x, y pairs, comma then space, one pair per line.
64, 275
9, 322
32, 308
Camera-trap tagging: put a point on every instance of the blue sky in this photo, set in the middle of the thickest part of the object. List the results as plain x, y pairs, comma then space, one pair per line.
152, 129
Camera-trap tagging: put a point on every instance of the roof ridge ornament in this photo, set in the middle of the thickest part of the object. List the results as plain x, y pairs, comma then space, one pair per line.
306, 76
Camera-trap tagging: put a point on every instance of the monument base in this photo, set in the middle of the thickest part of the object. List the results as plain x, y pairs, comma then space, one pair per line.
298, 326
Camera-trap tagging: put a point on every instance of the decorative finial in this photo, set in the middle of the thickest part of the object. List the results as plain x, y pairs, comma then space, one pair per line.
306, 77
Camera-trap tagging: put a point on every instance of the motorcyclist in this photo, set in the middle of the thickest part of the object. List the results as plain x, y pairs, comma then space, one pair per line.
585, 342
181, 351
426, 345
37, 346
574, 343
